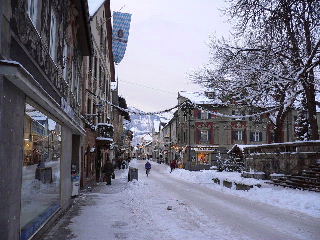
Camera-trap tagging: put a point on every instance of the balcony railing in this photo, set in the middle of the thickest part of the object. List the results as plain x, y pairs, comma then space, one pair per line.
104, 133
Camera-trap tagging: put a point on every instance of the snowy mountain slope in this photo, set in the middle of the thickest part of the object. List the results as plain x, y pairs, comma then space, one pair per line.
143, 125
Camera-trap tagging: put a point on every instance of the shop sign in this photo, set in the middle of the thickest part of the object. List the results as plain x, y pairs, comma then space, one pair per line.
204, 149
67, 108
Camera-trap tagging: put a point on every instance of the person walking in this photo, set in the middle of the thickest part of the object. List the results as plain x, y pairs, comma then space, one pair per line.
147, 166
108, 171
173, 165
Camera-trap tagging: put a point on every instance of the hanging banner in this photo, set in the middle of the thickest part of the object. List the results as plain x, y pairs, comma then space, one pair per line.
120, 34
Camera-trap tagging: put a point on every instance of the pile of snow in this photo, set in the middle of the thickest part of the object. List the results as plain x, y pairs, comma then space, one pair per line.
292, 199
206, 176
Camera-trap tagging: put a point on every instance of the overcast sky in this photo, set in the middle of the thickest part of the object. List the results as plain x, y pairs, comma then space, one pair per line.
168, 38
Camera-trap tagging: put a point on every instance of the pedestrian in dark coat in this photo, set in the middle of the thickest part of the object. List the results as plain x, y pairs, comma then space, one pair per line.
108, 170
173, 165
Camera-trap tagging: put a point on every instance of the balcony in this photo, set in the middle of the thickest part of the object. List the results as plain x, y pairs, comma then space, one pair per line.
104, 134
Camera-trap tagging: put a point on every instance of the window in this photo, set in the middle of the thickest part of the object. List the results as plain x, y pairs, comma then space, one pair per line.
185, 118
256, 136
203, 158
100, 75
204, 136
95, 68
40, 192
105, 46
33, 11
211, 95
89, 106
65, 61
204, 115
101, 34
53, 37
238, 135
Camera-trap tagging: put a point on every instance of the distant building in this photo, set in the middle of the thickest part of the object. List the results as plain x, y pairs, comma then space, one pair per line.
198, 138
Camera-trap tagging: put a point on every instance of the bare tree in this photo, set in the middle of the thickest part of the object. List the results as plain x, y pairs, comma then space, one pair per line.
274, 60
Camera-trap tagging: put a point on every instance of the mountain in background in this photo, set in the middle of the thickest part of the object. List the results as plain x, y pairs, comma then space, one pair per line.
143, 125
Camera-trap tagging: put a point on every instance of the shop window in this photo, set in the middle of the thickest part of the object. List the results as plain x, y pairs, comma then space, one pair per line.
203, 158
40, 193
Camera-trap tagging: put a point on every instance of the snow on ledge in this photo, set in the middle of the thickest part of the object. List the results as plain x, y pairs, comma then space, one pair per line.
104, 124
104, 139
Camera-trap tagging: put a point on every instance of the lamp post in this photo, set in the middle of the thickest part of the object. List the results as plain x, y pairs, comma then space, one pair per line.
187, 108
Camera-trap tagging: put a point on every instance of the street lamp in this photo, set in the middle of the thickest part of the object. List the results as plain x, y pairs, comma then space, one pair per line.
187, 109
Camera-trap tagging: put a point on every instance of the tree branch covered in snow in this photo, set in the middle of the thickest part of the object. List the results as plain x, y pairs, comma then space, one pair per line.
273, 58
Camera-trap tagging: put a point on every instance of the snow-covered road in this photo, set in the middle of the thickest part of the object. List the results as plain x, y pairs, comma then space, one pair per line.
138, 210
247, 219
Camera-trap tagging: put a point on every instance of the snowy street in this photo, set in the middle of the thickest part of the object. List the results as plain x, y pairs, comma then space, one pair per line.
138, 210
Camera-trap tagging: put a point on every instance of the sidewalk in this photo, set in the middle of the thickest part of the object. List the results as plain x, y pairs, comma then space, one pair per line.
62, 230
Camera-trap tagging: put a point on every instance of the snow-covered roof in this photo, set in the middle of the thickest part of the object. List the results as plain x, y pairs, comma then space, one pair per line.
198, 97
94, 5
240, 146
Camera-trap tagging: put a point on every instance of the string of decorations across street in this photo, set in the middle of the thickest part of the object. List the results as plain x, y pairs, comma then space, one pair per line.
184, 106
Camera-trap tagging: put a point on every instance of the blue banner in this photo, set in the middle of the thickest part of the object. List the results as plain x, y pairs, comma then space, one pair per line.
120, 34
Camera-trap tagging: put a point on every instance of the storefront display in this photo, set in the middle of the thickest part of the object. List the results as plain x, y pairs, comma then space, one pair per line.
203, 158
40, 195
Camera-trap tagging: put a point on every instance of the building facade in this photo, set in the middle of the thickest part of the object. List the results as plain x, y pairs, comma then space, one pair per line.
42, 45
98, 74
198, 139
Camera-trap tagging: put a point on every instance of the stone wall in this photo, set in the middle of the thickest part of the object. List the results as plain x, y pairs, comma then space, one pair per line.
287, 158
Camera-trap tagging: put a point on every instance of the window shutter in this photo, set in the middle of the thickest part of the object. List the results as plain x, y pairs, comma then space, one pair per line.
244, 136
211, 136
195, 113
251, 137
209, 115
260, 136
233, 133
199, 114
197, 136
